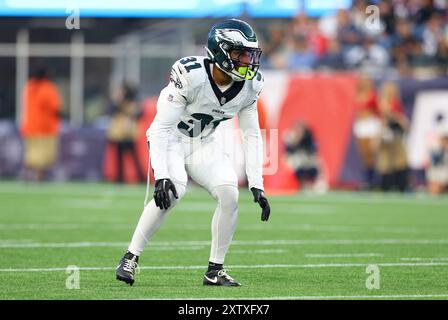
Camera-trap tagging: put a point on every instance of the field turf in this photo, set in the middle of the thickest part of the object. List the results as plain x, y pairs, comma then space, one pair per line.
313, 247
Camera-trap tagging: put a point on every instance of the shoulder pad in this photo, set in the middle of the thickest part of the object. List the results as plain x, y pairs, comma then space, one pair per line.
257, 82
188, 72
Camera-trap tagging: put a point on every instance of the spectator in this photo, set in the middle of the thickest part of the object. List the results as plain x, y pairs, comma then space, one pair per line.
392, 163
302, 58
437, 172
425, 11
405, 47
317, 40
301, 26
40, 124
274, 48
301, 155
387, 16
333, 56
367, 128
347, 33
280, 48
122, 130
371, 58
307, 41
358, 13
433, 39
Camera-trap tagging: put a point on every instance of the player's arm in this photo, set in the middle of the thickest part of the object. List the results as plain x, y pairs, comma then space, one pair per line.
169, 111
253, 153
170, 106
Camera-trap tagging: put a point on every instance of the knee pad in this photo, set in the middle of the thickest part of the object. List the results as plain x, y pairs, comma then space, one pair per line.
227, 196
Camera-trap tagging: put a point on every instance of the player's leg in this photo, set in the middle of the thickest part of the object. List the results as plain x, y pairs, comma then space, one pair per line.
152, 216
211, 168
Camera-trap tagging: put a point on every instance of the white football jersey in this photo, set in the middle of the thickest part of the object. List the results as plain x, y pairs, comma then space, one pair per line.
192, 106
206, 105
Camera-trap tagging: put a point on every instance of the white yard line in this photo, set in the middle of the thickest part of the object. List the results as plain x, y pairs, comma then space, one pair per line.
190, 206
62, 244
315, 228
342, 255
41, 226
176, 248
424, 259
294, 227
342, 242
84, 244
258, 251
260, 266
98, 244
193, 194
358, 199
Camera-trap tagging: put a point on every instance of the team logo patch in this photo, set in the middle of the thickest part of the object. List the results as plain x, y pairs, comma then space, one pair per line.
174, 78
170, 97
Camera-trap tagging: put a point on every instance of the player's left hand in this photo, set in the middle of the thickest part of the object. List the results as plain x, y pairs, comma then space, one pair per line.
263, 202
161, 193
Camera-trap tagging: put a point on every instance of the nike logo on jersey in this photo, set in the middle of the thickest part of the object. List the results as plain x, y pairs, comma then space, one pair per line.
214, 280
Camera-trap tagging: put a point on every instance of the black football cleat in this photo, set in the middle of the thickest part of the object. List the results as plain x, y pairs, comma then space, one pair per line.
219, 278
127, 267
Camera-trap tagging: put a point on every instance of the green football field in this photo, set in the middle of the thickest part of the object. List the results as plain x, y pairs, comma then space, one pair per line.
313, 247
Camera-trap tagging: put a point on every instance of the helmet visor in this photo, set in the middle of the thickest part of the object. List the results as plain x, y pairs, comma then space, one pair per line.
245, 56
246, 61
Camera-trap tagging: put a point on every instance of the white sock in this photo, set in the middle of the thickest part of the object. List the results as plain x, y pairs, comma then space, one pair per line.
224, 221
150, 221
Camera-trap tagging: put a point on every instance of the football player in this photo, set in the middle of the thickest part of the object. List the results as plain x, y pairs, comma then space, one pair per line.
203, 92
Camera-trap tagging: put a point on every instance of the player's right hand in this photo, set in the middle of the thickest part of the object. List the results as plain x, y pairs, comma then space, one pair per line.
263, 202
161, 193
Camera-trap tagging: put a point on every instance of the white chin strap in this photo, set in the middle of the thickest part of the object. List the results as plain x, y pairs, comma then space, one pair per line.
235, 77
232, 75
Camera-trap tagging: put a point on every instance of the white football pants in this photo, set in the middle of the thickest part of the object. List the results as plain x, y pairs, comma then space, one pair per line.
208, 165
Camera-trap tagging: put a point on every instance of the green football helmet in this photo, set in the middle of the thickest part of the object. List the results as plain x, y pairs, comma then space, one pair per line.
233, 48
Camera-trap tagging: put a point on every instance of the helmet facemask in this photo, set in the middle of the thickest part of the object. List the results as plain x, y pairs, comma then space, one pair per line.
237, 57
243, 62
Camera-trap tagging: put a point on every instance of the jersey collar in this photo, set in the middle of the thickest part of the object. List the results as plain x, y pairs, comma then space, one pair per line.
229, 94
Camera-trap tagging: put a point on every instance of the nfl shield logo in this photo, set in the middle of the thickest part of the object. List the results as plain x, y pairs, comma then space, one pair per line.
223, 100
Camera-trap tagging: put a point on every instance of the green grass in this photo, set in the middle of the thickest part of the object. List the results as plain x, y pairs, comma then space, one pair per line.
312, 247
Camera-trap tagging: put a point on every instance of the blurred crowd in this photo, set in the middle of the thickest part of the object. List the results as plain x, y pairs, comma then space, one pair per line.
381, 130
410, 36
410, 39
302, 157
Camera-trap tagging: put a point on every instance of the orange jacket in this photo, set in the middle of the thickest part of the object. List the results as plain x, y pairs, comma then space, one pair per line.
42, 104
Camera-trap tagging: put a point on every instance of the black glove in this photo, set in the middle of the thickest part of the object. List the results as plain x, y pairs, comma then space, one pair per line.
161, 193
263, 202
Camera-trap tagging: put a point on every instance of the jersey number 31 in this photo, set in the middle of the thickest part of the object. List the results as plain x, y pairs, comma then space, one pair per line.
199, 122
